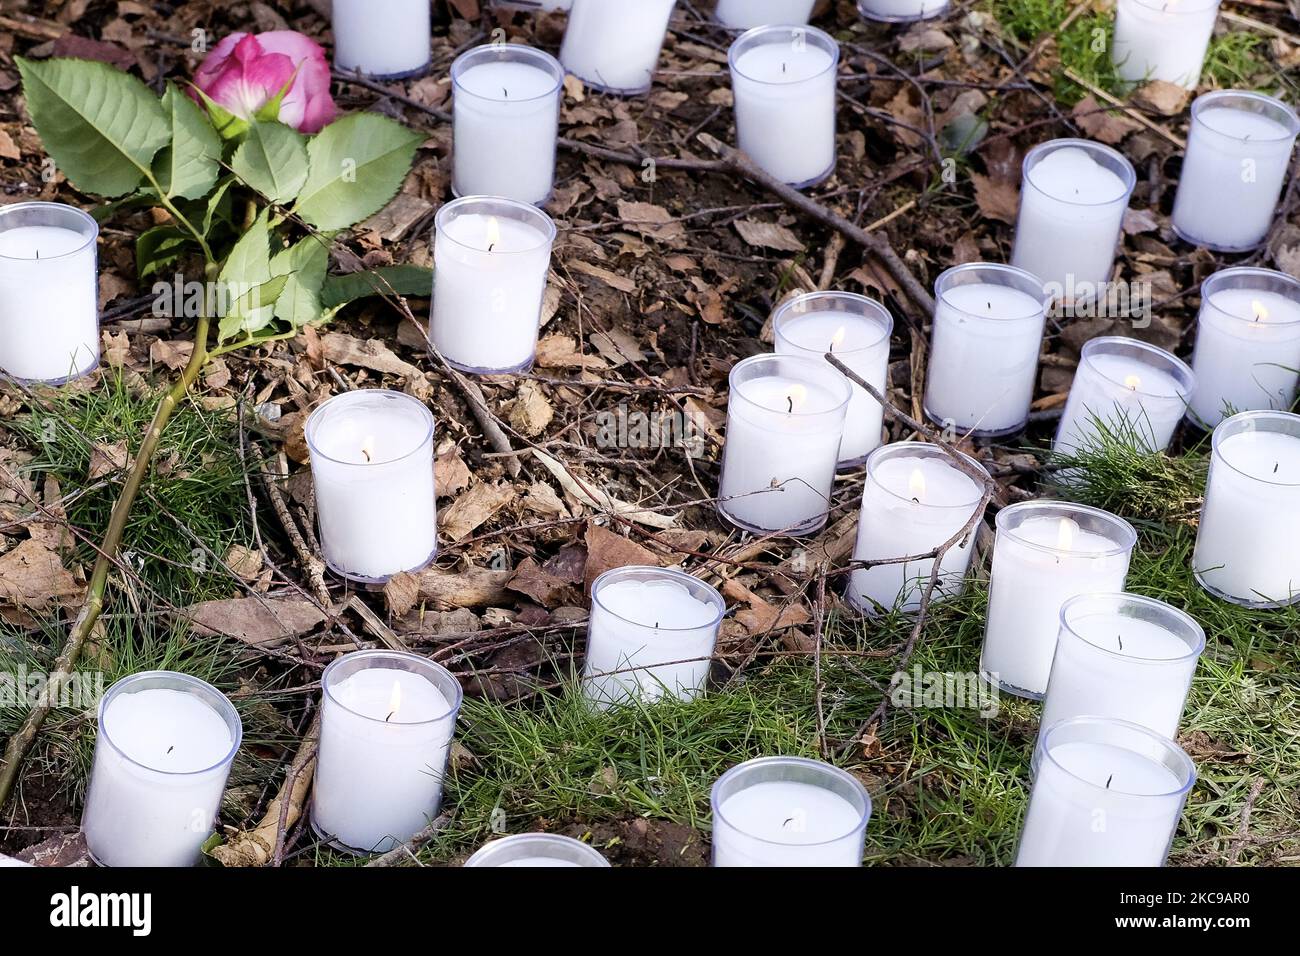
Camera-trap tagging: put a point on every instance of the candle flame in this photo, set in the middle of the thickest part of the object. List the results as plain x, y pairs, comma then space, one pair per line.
394, 702
796, 396
916, 485
368, 448
1065, 533
493, 232
1260, 310
1133, 381
838, 338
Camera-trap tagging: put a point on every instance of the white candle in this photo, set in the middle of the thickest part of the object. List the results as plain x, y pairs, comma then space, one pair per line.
387, 722
386, 39
783, 83
1045, 553
747, 14
537, 850
1072, 203
856, 330
1163, 40
1247, 354
651, 633
1136, 391
372, 469
788, 811
166, 743
545, 6
49, 307
785, 420
915, 499
491, 258
901, 11
1246, 549
1238, 154
1123, 656
1106, 793
506, 106
988, 331
613, 45
10, 861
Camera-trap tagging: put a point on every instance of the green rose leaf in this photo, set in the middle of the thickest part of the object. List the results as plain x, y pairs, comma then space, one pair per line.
160, 247
357, 165
305, 264
390, 280
101, 126
189, 167
246, 269
250, 313
272, 160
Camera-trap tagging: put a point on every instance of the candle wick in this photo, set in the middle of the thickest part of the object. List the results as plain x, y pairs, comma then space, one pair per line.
1108, 780
390, 716
38, 254
782, 67
367, 454
506, 92
491, 246
832, 348
790, 399
916, 499
171, 748
1275, 466
1120, 638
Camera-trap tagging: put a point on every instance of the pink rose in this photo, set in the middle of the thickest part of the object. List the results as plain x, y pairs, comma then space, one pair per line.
245, 72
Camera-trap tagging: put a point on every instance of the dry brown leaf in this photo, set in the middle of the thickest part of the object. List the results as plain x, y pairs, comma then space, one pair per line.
531, 411
621, 283
32, 577
607, 550
468, 587
473, 508
997, 199
654, 222
106, 459
768, 235
1106, 126
1161, 96
244, 563
344, 349
257, 621
450, 473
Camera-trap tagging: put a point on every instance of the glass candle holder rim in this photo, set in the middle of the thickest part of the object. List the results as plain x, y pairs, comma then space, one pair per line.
1182, 372
1124, 598
484, 854
1124, 541
1181, 9
91, 233
495, 52
422, 668
752, 36
785, 313
1089, 145
944, 282
716, 599
1238, 424
813, 766
529, 214
1171, 748
824, 374
1292, 284
317, 416
1285, 111
226, 711
928, 449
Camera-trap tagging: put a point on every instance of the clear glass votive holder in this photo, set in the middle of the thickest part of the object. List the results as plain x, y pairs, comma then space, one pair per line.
383, 39
1044, 554
1236, 166
984, 346
1247, 549
747, 14
1159, 40
536, 849
785, 421
372, 470
1123, 656
1105, 793
651, 634
783, 82
788, 811
857, 331
902, 11
49, 293
491, 259
1072, 201
387, 723
613, 45
164, 751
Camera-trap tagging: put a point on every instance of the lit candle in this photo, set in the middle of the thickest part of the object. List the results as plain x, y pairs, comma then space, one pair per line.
1163, 40
385, 39
788, 811
1247, 354
651, 633
1045, 553
372, 470
747, 14
783, 85
165, 746
856, 330
915, 499
1106, 793
1136, 391
1072, 203
49, 307
785, 420
387, 721
506, 103
613, 45
491, 258
1246, 549
901, 11
988, 330
1238, 155
1123, 656
537, 850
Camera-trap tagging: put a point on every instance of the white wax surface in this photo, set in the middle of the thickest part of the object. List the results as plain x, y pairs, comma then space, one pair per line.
614, 44
1073, 175
1247, 353
1121, 391
539, 861
779, 823
984, 357
660, 604
1162, 44
373, 692
902, 10
1126, 772
940, 483
381, 37
747, 14
167, 730
39, 242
